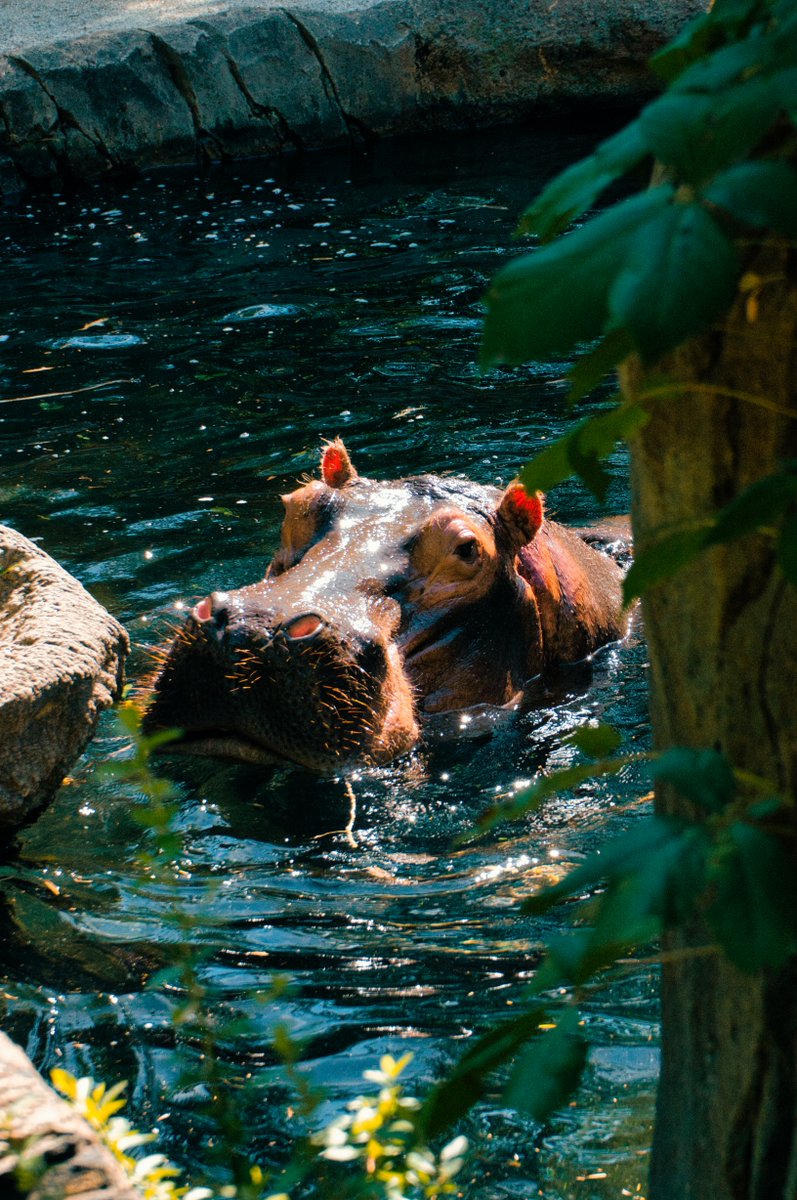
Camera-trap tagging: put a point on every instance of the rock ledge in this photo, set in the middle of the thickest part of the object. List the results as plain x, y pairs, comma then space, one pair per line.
267, 79
61, 660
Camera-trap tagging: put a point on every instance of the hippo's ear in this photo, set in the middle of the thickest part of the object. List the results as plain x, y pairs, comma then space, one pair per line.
519, 514
336, 467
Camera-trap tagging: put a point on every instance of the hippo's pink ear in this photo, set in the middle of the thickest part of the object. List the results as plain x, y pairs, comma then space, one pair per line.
336, 468
520, 513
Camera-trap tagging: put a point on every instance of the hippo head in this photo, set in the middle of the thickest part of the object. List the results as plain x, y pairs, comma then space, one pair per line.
385, 601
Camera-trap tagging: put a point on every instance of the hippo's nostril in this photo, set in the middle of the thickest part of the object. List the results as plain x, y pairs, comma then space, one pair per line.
202, 611
306, 626
372, 660
213, 610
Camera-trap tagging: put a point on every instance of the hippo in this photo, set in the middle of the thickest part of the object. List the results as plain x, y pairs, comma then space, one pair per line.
385, 602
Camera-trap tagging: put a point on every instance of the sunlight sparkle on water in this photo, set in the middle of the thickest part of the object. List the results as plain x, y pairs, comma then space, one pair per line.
510, 866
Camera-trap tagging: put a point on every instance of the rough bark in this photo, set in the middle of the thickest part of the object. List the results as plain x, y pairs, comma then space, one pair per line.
723, 649
47, 1151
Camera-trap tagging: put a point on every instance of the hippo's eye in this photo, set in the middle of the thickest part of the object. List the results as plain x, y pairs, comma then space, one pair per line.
468, 550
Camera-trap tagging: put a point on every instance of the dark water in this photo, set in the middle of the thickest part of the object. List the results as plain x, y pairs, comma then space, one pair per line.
243, 319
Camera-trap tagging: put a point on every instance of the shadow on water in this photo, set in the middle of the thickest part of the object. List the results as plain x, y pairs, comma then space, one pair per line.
242, 318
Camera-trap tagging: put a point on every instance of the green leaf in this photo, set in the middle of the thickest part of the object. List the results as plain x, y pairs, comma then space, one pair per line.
154, 818
733, 13
171, 976
654, 890
544, 303
549, 467
653, 876
596, 741
574, 958
570, 960
770, 806
761, 194
662, 560
600, 434
617, 858
574, 191
728, 65
677, 277
786, 84
130, 719
549, 1071
694, 41
466, 1082
154, 741
590, 368
579, 451
703, 776
702, 34
590, 470
699, 134
285, 1046
785, 29
754, 913
630, 912
531, 798
757, 507
787, 549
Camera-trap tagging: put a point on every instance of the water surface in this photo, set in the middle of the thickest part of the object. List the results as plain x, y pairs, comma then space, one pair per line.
171, 356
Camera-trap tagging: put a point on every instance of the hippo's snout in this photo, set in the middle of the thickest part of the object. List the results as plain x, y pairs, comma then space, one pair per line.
251, 678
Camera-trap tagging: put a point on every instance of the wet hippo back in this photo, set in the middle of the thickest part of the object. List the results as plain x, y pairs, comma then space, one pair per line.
384, 601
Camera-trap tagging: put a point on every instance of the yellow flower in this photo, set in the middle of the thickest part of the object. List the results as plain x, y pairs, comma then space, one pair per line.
153, 1176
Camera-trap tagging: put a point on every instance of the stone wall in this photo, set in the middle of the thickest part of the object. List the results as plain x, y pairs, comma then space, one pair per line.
268, 79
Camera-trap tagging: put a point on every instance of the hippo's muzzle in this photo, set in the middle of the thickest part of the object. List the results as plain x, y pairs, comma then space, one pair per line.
248, 678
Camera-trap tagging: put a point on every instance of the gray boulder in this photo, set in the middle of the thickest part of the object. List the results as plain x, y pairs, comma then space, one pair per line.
61, 660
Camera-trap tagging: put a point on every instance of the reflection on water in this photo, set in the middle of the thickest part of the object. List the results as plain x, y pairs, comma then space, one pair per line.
181, 348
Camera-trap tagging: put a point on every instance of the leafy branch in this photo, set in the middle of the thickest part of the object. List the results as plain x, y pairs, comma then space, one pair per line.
731, 866
660, 266
663, 265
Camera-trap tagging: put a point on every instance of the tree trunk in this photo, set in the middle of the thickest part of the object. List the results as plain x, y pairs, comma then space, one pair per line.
723, 650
